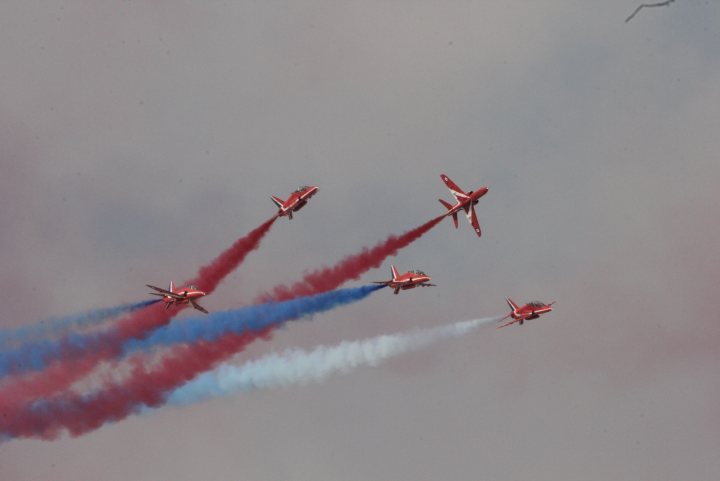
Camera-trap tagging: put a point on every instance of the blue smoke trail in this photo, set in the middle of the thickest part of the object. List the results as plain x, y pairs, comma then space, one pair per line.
251, 318
296, 366
60, 325
35, 355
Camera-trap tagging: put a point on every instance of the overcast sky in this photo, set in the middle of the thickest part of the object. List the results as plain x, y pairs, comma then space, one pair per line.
139, 139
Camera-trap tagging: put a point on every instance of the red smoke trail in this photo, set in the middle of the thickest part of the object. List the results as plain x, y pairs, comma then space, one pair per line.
351, 267
207, 279
210, 276
62, 373
80, 415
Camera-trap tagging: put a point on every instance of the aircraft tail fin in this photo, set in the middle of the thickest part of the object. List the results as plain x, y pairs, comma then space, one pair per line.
512, 304
394, 272
448, 206
278, 201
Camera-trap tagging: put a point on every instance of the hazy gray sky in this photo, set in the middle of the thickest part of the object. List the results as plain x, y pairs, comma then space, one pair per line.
138, 140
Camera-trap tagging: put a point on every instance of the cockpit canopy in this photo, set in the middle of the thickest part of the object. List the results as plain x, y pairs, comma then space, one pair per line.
536, 304
193, 287
417, 272
301, 188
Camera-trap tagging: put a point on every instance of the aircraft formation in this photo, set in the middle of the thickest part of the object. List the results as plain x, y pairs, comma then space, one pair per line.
40, 363
464, 201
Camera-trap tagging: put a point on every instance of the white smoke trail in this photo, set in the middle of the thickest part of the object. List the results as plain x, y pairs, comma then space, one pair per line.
296, 366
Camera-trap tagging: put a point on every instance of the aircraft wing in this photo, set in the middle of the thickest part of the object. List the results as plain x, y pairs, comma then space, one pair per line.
456, 191
509, 323
164, 292
160, 289
198, 307
472, 217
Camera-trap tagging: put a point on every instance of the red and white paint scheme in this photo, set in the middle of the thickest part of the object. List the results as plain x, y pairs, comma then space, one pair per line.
531, 310
409, 280
464, 201
295, 202
179, 296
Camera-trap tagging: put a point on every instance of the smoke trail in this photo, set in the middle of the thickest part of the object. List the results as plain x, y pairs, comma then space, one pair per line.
351, 267
296, 366
315, 282
60, 375
252, 318
35, 354
59, 325
78, 414
68, 359
210, 275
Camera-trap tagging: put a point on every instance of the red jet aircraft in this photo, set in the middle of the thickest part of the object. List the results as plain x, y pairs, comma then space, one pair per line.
295, 202
182, 295
409, 280
531, 310
464, 201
